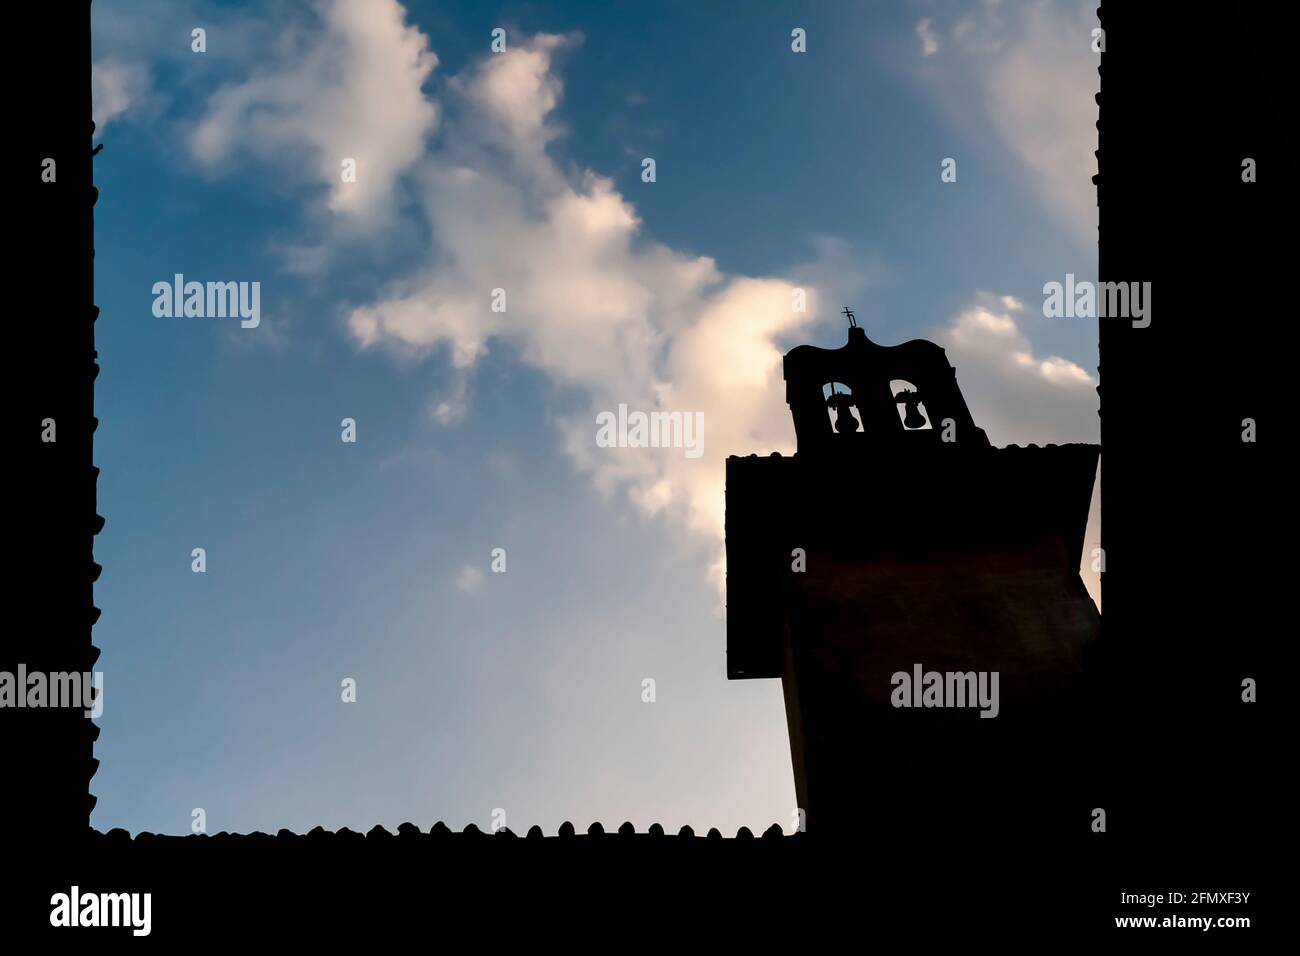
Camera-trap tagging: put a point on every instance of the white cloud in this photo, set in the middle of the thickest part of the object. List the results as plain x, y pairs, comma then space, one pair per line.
1028, 72
624, 321
516, 93
608, 315
1041, 98
452, 406
469, 580
115, 87
1016, 396
352, 90
929, 41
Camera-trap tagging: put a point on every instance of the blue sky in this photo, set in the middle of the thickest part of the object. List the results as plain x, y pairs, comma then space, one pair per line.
521, 170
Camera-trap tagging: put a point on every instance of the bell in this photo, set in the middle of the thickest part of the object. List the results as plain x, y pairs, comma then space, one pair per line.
845, 422
913, 418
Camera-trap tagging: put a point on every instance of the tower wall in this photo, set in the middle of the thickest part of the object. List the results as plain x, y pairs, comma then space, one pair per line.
843, 572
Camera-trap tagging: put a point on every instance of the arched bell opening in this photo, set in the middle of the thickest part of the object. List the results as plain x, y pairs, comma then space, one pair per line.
844, 415
911, 408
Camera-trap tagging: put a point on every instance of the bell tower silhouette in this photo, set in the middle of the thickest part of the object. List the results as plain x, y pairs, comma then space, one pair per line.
898, 540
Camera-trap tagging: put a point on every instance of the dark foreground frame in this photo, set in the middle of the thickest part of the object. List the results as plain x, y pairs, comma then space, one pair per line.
1186, 771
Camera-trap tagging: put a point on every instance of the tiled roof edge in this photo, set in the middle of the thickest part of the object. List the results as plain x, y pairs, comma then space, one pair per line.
440, 830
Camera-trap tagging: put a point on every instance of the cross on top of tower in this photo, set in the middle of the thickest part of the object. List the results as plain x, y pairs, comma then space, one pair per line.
853, 322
